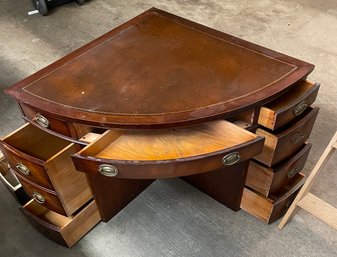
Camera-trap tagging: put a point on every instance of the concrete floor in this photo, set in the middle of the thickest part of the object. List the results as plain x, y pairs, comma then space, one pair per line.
157, 223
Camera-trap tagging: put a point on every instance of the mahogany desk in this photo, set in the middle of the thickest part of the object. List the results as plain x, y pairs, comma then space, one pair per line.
165, 97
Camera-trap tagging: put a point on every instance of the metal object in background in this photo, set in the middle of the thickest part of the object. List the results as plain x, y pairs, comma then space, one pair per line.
42, 5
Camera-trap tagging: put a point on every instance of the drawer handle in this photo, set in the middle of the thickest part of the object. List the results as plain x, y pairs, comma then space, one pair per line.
297, 138
293, 172
41, 120
300, 108
38, 198
231, 158
23, 169
108, 170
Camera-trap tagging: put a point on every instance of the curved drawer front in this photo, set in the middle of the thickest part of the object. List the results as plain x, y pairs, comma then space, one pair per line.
43, 196
289, 171
266, 180
63, 230
288, 106
168, 153
282, 145
28, 167
29, 149
45, 121
269, 209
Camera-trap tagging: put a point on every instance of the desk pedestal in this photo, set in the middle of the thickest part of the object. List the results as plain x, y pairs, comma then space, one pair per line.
224, 185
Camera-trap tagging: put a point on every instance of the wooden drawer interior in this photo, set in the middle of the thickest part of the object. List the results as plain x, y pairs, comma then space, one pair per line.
53, 154
34, 142
63, 230
278, 113
245, 119
269, 209
152, 154
168, 144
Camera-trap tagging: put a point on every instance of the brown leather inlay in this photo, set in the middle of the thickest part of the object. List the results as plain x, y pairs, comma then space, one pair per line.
158, 66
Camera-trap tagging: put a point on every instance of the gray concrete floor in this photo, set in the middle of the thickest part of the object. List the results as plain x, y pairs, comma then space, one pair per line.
171, 218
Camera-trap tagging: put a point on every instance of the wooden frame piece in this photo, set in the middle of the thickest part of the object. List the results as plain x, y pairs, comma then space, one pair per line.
10, 181
310, 202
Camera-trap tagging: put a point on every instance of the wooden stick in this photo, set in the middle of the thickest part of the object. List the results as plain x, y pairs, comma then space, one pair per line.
311, 179
319, 209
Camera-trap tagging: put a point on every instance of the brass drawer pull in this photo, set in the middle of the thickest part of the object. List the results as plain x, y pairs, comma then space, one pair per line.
38, 198
108, 170
42, 121
293, 172
231, 158
23, 169
300, 108
297, 138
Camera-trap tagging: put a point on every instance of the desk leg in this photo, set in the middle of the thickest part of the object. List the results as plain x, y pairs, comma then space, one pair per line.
224, 185
113, 194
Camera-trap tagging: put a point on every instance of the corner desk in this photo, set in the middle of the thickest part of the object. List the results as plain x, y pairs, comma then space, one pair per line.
160, 97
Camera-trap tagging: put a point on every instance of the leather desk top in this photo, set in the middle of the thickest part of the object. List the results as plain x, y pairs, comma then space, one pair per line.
159, 70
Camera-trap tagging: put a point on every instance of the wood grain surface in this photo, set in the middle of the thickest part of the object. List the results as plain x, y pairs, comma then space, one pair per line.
176, 143
168, 153
63, 230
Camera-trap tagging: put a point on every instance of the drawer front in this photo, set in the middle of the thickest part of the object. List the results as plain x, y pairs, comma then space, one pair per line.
266, 180
285, 197
282, 145
168, 153
163, 169
60, 229
288, 106
288, 172
25, 166
269, 209
43, 196
45, 121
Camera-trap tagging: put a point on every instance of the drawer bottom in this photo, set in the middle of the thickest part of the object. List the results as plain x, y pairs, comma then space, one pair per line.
269, 209
63, 230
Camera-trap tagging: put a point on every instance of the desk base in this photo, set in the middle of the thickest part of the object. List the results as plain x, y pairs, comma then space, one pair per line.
224, 185
113, 194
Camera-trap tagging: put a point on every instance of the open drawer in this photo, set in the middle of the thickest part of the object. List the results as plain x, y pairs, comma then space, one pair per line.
287, 107
269, 180
269, 209
63, 230
283, 144
54, 125
168, 153
41, 159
